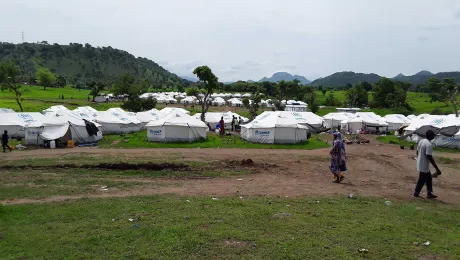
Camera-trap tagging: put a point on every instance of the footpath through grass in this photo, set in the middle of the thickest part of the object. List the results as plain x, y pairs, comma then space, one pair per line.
139, 140
229, 228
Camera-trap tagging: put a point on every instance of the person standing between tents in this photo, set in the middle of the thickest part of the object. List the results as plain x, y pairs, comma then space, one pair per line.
5, 141
222, 126
424, 158
233, 123
337, 158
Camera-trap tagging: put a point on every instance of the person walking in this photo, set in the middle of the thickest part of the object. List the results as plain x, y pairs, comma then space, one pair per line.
222, 126
5, 141
337, 158
424, 158
233, 123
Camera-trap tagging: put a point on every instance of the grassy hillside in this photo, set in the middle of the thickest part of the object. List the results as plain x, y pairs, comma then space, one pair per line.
77, 62
346, 77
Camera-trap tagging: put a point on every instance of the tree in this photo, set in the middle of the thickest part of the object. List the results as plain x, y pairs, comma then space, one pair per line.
45, 78
124, 84
9, 79
330, 100
447, 91
382, 89
357, 96
61, 81
324, 91
210, 83
96, 88
134, 104
253, 104
366, 85
149, 103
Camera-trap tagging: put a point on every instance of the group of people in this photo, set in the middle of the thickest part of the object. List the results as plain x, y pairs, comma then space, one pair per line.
424, 157
236, 124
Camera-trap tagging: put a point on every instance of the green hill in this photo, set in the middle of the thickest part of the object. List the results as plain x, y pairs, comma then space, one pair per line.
343, 78
77, 62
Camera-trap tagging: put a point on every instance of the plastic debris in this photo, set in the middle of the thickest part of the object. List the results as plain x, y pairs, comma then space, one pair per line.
239, 179
326, 247
215, 199
388, 203
241, 197
363, 250
427, 243
317, 201
351, 196
187, 201
103, 187
135, 226
131, 220
113, 220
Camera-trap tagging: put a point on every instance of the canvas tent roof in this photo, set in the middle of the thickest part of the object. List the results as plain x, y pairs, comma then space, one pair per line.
54, 109
214, 117
148, 116
6, 110
167, 110
396, 118
14, 123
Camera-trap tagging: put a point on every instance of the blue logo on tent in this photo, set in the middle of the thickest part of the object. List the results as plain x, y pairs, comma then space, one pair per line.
25, 117
437, 121
155, 132
262, 132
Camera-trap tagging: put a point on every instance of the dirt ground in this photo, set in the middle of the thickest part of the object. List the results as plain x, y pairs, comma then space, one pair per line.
374, 170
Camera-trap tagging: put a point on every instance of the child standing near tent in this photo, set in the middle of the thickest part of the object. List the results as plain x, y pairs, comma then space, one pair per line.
222, 126
5, 141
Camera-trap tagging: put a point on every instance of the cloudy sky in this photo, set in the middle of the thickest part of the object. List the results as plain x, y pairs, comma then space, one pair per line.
250, 39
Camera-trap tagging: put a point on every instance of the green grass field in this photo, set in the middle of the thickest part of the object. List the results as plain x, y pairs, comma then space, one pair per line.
139, 140
168, 227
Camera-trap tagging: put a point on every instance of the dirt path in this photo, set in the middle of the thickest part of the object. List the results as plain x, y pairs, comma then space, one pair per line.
374, 170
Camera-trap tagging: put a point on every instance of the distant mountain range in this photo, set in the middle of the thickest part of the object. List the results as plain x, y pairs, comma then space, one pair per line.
190, 78
343, 78
279, 76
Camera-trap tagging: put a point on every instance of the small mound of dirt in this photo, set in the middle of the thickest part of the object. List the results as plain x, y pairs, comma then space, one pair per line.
239, 243
247, 162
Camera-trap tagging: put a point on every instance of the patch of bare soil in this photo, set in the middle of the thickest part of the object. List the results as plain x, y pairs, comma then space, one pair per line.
373, 170
107, 166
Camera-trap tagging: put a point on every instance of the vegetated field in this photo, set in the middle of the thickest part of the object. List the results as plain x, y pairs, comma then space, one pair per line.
281, 204
37, 99
139, 140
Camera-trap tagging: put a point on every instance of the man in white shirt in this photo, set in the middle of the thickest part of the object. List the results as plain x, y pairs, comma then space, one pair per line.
424, 158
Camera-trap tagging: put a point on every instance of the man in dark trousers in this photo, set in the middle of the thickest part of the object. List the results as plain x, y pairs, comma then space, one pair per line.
233, 123
424, 158
5, 141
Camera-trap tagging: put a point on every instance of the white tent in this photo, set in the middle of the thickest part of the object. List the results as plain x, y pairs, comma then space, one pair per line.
188, 100
148, 116
445, 125
168, 110
117, 121
176, 127
63, 125
274, 127
54, 109
218, 101
396, 121
334, 119
87, 112
213, 118
6, 110
15, 123
364, 120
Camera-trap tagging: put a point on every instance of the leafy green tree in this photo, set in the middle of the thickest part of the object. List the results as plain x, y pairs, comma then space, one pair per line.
314, 107
9, 79
330, 99
366, 85
357, 96
382, 89
447, 91
324, 91
45, 78
61, 81
124, 84
96, 88
253, 106
209, 83
149, 103
134, 104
